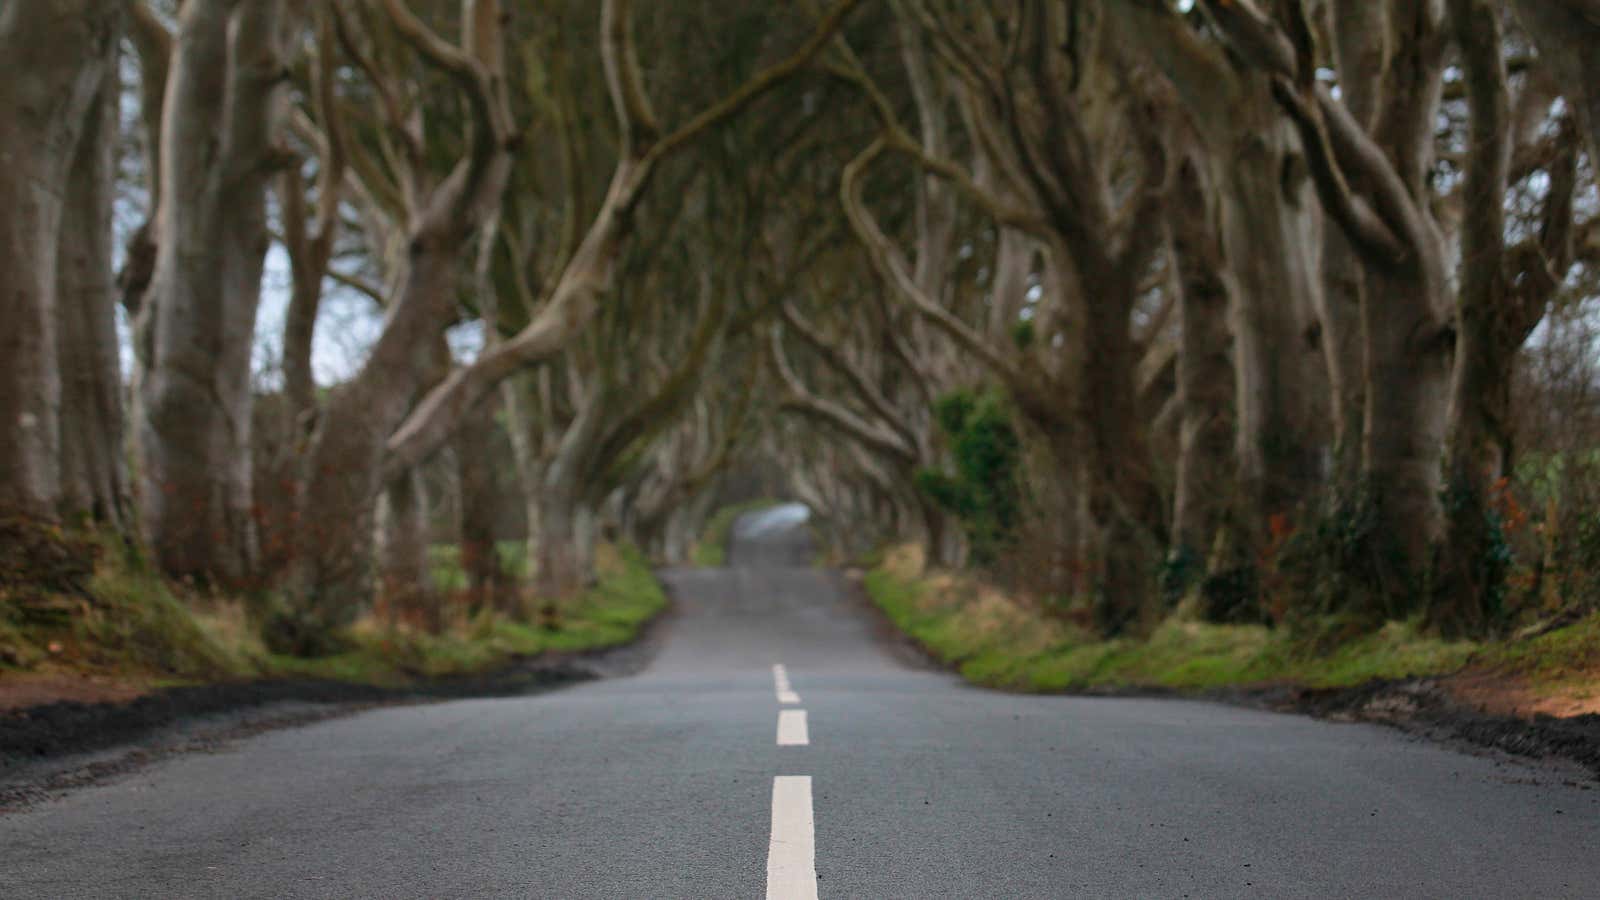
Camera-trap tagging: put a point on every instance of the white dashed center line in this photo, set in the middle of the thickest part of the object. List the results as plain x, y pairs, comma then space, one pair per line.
792, 851
792, 728
780, 677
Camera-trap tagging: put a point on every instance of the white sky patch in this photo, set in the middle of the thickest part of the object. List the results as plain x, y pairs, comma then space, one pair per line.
778, 518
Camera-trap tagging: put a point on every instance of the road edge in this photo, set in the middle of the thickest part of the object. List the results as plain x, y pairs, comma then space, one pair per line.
51, 749
1419, 707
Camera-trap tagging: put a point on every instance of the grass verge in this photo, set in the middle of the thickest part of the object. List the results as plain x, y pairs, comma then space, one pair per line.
106, 618
997, 641
625, 597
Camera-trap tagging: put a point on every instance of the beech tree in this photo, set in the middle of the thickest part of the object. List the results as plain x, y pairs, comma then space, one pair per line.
1437, 356
219, 146
58, 399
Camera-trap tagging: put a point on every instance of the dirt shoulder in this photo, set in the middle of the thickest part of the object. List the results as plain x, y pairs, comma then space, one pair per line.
1430, 708
51, 748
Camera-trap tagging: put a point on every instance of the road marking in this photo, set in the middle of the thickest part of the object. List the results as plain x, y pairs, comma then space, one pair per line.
780, 677
792, 851
792, 728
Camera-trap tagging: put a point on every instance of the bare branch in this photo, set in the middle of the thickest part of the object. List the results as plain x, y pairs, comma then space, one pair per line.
878, 438
891, 266
836, 360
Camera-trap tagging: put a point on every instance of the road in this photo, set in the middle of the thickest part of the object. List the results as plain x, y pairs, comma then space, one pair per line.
674, 783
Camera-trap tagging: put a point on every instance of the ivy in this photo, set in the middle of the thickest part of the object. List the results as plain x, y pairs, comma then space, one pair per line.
982, 491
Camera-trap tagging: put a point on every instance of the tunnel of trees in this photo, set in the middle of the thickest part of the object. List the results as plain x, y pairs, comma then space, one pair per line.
1284, 305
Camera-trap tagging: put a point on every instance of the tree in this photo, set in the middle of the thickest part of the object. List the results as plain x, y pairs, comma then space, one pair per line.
223, 111
56, 99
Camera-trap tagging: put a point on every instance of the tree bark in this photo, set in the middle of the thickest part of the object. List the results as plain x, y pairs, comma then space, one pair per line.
481, 496
344, 465
1359, 43
1122, 497
1271, 233
405, 584
58, 52
94, 474
558, 555
222, 112
1205, 373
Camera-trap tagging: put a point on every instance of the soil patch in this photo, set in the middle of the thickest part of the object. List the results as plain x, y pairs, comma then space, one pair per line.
1429, 708
24, 690
1512, 695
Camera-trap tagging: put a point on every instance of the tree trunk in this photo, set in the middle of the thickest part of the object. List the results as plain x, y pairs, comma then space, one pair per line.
344, 469
1205, 375
558, 575
94, 474
1343, 351
1359, 41
1407, 388
1469, 578
58, 52
481, 496
1271, 237
939, 530
223, 109
559, 554
300, 320
405, 584
1008, 293
1122, 497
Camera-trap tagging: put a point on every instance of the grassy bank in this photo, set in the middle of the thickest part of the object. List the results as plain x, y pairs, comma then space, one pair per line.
625, 597
106, 619
998, 641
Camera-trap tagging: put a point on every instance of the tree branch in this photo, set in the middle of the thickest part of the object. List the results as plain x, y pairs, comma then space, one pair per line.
799, 399
891, 266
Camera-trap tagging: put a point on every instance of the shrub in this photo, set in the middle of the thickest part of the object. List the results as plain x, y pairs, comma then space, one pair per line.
983, 491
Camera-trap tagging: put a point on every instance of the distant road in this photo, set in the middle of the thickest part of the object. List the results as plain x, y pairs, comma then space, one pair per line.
775, 747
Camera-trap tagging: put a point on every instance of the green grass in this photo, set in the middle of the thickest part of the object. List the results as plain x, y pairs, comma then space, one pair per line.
119, 618
711, 550
136, 621
444, 563
1000, 643
625, 598
1553, 661
134, 626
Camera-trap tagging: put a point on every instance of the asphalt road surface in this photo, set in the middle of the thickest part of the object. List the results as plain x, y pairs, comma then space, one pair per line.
776, 747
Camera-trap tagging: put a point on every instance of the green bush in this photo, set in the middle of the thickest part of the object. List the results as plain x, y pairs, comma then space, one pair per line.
983, 491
